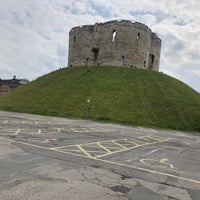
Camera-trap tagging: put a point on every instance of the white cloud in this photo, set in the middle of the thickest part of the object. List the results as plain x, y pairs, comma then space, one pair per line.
34, 33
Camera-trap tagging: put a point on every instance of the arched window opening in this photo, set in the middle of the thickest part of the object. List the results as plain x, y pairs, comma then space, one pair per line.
114, 35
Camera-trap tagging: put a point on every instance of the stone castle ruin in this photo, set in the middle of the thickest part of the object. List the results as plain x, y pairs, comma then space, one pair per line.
114, 43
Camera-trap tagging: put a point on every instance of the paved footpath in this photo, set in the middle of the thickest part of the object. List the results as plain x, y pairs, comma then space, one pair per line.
48, 158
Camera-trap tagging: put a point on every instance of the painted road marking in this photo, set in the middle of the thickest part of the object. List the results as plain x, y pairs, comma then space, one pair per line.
85, 152
42, 140
110, 162
163, 163
109, 147
53, 130
17, 131
118, 144
103, 147
56, 130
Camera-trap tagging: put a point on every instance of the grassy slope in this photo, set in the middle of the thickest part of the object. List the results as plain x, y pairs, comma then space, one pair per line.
121, 95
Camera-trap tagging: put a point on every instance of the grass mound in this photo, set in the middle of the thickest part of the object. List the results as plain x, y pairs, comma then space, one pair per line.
122, 95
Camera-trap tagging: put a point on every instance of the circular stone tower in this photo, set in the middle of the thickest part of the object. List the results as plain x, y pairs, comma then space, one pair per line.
114, 43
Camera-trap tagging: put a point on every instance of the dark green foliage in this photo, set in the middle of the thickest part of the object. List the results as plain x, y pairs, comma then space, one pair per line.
122, 95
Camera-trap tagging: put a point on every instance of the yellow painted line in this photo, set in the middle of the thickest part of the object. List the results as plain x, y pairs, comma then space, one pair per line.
93, 151
134, 142
165, 161
144, 161
155, 138
153, 151
17, 131
77, 130
24, 143
97, 129
151, 171
143, 138
129, 148
114, 148
139, 142
94, 145
74, 150
124, 139
127, 142
151, 138
106, 149
85, 152
120, 145
111, 162
58, 129
119, 151
85, 130
85, 144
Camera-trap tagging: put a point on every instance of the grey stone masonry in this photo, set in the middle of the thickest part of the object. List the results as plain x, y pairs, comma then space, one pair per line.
114, 43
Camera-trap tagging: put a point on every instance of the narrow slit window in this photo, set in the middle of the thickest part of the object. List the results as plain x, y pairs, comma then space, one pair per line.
145, 63
87, 59
138, 36
123, 59
74, 40
96, 52
151, 60
114, 35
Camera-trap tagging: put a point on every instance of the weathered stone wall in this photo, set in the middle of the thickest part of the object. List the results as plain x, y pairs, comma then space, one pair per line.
114, 43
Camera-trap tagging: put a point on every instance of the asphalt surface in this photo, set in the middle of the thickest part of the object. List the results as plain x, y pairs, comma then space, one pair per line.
48, 158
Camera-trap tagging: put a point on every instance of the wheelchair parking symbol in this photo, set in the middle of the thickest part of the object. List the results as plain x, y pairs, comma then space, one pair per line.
163, 163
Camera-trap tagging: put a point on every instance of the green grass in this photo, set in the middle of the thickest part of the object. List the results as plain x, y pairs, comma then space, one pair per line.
121, 95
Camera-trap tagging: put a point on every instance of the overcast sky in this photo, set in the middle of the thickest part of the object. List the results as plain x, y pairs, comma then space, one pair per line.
34, 33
